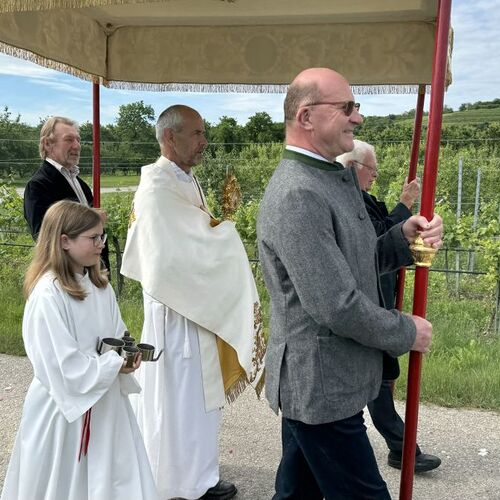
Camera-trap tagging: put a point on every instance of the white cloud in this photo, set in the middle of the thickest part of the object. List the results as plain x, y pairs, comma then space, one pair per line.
61, 86
13, 66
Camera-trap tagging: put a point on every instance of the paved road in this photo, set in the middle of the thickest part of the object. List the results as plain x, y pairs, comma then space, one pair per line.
468, 441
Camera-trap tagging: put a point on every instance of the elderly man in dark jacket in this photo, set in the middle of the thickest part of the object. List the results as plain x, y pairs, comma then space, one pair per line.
321, 260
57, 178
384, 415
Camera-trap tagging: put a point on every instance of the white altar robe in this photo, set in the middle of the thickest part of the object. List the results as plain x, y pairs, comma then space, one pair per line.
60, 335
182, 438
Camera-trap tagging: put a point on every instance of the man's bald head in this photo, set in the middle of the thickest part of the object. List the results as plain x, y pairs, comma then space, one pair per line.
320, 114
310, 86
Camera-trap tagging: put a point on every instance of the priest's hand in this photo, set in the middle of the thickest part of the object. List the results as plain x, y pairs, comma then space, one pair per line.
133, 368
431, 232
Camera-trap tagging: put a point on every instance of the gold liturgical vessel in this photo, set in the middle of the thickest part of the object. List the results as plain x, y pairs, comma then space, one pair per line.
422, 254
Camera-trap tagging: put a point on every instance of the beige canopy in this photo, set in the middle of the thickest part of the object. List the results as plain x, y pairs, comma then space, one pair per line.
221, 45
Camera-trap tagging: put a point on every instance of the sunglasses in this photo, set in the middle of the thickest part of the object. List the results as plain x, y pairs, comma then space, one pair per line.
346, 106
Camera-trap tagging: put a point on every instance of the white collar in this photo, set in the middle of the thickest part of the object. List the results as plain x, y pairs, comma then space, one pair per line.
179, 173
73, 171
307, 153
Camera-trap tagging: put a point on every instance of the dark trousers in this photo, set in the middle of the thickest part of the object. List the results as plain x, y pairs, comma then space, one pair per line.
334, 461
386, 419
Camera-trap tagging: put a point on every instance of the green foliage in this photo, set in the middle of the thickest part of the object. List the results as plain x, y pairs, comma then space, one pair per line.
11, 209
17, 152
13, 264
245, 219
114, 181
495, 103
261, 129
255, 167
462, 368
135, 122
227, 133
118, 207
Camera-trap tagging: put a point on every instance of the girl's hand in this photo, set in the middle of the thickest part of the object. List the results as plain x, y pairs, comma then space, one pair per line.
133, 368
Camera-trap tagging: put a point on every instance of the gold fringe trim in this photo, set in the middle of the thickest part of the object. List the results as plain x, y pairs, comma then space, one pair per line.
236, 389
31, 5
260, 384
47, 63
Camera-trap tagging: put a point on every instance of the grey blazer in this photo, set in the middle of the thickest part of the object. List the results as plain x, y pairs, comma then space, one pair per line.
321, 261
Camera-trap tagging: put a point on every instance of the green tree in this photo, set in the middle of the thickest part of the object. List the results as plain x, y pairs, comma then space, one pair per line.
135, 122
18, 147
135, 130
228, 133
260, 128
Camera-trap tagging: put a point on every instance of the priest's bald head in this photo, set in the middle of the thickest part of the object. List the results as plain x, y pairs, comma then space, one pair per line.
180, 131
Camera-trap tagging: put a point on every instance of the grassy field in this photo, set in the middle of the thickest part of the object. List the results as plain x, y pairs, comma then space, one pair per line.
462, 368
114, 181
107, 181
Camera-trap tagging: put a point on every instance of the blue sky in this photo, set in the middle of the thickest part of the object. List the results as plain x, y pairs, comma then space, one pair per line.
35, 92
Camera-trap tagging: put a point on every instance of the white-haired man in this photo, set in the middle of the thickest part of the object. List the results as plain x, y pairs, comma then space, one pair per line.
384, 415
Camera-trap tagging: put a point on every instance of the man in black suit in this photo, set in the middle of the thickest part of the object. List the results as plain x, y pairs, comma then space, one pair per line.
384, 416
57, 178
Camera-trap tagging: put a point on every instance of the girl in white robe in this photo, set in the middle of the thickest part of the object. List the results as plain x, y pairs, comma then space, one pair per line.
78, 438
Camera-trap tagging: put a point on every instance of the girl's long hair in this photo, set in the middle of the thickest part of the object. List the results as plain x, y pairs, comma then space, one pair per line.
72, 219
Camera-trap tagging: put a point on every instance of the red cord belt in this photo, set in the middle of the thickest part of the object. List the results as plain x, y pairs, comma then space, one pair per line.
84, 441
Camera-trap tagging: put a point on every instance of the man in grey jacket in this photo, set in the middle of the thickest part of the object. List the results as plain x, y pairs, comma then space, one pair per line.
327, 331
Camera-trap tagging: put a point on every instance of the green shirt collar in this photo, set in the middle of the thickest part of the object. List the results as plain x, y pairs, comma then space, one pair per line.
312, 162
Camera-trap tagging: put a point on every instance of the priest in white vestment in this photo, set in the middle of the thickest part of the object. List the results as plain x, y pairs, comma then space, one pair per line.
200, 305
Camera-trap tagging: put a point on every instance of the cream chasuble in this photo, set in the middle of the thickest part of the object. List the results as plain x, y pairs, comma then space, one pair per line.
202, 273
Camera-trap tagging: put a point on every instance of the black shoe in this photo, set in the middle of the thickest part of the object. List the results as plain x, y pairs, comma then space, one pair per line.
223, 490
423, 462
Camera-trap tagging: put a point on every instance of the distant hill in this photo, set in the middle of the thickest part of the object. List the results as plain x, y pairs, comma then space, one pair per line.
467, 117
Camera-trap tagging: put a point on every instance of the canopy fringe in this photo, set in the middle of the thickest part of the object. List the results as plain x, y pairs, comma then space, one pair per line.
47, 63
201, 87
387, 89
262, 88
31, 5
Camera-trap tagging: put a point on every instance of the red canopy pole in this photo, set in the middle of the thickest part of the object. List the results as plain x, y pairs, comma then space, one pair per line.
427, 210
412, 173
96, 150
